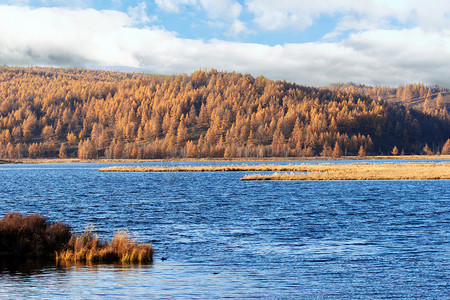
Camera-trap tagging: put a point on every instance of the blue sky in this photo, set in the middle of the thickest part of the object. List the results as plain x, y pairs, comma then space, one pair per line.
317, 42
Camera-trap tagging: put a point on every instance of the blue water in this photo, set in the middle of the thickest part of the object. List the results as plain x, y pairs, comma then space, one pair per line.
228, 238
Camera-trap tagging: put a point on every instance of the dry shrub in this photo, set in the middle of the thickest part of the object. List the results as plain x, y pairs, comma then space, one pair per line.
31, 236
58, 235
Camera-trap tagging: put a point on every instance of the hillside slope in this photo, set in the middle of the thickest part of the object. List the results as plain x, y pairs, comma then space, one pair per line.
48, 112
429, 99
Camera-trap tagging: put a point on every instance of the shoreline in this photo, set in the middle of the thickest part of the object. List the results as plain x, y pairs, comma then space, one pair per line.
29, 161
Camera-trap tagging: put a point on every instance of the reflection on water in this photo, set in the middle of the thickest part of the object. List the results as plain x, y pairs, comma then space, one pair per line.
24, 267
226, 238
167, 279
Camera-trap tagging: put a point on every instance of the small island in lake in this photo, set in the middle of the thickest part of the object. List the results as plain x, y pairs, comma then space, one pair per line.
364, 171
326, 171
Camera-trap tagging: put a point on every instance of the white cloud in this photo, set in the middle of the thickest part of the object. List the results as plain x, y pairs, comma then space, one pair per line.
92, 38
215, 9
407, 55
221, 9
238, 28
359, 15
139, 14
61, 36
18, 2
275, 15
220, 13
173, 5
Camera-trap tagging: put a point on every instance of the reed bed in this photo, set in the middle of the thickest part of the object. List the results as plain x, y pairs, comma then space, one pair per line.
88, 248
364, 171
33, 236
225, 168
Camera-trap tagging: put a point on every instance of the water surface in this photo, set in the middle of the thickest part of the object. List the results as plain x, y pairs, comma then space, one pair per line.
228, 238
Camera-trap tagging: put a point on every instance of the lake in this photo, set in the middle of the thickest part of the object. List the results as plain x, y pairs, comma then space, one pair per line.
225, 238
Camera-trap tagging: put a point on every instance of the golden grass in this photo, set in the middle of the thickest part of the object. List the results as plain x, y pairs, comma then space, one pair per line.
88, 248
363, 171
354, 171
224, 168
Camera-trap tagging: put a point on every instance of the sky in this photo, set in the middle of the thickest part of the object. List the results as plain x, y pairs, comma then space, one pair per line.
309, 42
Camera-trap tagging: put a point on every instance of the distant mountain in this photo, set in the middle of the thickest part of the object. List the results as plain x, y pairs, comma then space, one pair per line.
46, 112
124, 69
419, 96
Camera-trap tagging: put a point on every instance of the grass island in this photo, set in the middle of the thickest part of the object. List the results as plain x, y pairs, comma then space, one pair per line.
325, 171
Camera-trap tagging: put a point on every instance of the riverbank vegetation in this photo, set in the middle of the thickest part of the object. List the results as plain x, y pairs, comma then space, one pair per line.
91, 114
33, 236
213, 168
219, 159
363, 171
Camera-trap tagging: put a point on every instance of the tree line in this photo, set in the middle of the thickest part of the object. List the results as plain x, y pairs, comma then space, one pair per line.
46, 112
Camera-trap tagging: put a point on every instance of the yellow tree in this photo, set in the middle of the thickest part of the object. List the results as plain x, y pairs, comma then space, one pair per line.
337, 152
47, 132
326, 151
440, 103
191, 149
362, 151
427, 150
446, 148
71, 138
181, 134
62, 151
6, 136
33, 150
28, 126
278, 143
395, 150
11, 151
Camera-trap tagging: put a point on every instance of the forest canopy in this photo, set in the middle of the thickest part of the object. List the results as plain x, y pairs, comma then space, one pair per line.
46, 112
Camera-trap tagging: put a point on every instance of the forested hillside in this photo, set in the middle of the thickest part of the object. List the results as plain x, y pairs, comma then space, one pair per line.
434, 100
90, 114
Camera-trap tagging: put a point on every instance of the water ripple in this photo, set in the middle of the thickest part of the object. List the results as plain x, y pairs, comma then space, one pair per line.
226, 238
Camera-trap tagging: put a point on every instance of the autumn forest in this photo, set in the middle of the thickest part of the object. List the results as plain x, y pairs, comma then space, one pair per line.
90, 114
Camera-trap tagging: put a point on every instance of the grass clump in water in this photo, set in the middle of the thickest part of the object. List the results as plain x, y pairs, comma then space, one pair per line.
33, 236
87, 247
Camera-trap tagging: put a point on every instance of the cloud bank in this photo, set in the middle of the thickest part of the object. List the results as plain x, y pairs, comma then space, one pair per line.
67, 37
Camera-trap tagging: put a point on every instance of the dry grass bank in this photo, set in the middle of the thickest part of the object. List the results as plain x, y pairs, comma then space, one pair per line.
268, 159
345, 171
33, 236
225, 168
363, 171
